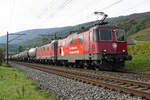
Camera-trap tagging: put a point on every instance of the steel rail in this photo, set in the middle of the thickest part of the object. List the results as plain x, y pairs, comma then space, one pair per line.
130, 72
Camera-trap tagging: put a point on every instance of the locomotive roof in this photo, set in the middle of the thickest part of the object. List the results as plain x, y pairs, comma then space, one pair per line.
115, 27
97, 26
111, 27
83, 29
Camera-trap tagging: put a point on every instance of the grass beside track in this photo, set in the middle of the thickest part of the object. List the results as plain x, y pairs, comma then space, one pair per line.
14, 85
140, 56
139, 62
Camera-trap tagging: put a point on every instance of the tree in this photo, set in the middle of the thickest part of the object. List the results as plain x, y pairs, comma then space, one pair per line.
1, 56
21, 48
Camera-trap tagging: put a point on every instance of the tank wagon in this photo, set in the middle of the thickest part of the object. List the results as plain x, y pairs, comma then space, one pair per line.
24, 56
32, 54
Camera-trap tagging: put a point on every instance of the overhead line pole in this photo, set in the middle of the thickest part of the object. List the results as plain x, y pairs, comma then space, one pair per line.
7, 50
7, 46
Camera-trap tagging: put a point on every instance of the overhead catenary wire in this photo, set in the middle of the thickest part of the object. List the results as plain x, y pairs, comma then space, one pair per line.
57, 10
11, 14
64, 4
136, 5
109, 6
102, 9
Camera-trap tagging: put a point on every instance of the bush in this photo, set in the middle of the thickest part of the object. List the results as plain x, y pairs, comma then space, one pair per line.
141, 56
139, 62
139, 48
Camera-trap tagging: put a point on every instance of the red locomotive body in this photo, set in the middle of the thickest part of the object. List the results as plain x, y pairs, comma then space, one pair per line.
100, 47
46, 53
90, 42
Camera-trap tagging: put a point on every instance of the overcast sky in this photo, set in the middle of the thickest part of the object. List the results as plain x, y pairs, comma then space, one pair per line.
18, 15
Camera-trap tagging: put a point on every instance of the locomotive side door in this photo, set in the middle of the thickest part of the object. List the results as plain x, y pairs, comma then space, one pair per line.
90, 40
86, 46
91, 43
54, 48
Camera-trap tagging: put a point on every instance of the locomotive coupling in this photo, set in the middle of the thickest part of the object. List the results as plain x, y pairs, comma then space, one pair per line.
116, 57
128, 57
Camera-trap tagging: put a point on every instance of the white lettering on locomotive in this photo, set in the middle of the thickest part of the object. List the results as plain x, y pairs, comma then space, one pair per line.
74, 52
72, 48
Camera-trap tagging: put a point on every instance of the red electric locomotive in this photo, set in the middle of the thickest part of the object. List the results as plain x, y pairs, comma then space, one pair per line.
47, 53
101, 47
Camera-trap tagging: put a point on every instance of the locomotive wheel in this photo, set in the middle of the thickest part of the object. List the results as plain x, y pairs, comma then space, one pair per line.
96, 68
85, 67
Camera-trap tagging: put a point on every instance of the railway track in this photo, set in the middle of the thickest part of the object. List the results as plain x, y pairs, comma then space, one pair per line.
147, 75
141, 89
142, 74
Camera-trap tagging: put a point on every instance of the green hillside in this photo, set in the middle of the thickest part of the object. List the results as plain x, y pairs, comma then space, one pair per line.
135, 24
143, 35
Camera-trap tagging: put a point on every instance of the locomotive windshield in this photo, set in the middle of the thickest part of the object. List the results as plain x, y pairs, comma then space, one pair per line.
103, 34
120, 35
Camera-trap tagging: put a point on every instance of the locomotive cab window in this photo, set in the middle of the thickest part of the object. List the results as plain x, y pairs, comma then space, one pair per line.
64, 43
70, 40
91, 36
120, 35
105, 34
44, 48
47, 48
102, 34
54, 45
96, 35
80, 38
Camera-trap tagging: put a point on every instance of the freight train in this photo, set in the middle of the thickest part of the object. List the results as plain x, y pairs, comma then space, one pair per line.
100, 47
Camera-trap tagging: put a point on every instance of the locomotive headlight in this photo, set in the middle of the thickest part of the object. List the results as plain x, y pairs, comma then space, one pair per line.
123, 50
114, 45
105, 50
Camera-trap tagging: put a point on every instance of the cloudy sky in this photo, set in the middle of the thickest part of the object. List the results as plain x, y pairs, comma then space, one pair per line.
18, 15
